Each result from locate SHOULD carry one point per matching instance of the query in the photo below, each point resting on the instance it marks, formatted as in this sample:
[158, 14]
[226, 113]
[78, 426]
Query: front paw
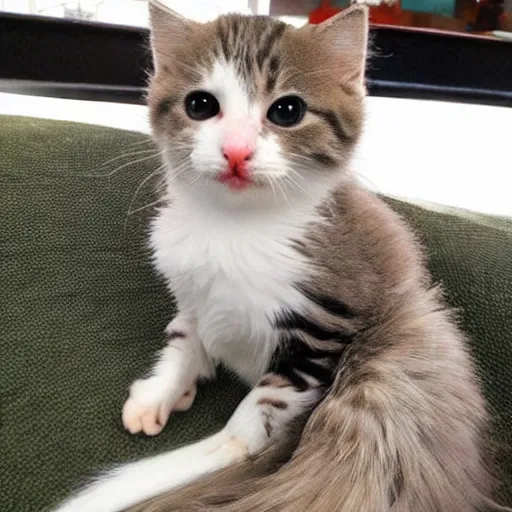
[147, 411]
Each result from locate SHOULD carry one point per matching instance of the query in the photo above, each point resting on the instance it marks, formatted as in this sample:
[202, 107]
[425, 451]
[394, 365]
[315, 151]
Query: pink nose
[237, 156]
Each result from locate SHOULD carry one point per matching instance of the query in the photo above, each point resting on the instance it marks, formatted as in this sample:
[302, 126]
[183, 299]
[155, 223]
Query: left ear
[347, 34]
[167, 29]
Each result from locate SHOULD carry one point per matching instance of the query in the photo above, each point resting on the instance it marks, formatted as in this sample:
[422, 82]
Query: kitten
[364, 398]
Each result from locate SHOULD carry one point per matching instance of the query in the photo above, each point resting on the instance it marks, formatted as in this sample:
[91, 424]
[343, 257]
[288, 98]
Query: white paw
[147, 411]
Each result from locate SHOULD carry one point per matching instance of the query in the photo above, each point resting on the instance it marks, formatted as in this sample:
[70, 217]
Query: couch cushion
[83, 312]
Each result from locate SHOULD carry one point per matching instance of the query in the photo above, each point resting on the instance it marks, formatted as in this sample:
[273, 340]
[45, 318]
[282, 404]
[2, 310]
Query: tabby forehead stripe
[273, 64]
[247, 59]
[273, 73]
[330, 117]
[271, 83]
[235, 27]
[223, 38]
[268, 44]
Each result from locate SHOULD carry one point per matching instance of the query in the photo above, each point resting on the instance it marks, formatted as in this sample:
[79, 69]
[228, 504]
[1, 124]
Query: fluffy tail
[400, 431]
[355, 473]
[132, 483]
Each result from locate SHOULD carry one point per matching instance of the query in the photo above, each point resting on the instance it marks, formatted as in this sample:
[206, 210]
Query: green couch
[82, 311]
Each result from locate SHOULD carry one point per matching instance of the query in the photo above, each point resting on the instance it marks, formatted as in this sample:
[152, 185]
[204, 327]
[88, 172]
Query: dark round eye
[201, 105]
[287, 111]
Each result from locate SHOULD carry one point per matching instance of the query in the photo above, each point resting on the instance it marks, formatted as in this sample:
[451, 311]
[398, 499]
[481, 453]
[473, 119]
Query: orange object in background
[386, 14]
[322, 12]
[381, 14]
[481, 15]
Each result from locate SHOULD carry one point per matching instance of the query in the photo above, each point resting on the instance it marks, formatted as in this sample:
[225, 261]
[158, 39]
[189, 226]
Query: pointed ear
[347, 34]
[167, 28]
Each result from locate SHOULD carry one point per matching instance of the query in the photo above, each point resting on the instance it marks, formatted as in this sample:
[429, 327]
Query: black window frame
[97, 61]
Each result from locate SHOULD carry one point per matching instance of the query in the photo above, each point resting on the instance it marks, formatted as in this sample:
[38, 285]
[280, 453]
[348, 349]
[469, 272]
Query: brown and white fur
[364, 397]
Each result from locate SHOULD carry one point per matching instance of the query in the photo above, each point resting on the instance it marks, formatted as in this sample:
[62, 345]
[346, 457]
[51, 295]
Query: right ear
[167, 29]
[346, 33]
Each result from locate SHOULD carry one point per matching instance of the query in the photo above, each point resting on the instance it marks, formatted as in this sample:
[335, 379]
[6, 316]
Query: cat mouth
[235, 179]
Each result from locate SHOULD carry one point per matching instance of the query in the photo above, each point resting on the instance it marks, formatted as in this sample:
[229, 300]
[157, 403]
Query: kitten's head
[248, 105]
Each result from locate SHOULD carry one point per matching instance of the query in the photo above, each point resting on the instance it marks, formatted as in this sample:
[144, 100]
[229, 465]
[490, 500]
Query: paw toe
[186, 401]
[150, 424]
[132, 416]
[147, 411]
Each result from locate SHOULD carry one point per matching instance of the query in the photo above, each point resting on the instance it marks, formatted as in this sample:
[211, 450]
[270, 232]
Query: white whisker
[133, 162]
[291, 180]
[285, 196]
[270, 181]
[146, 206]
[179, 169]
[295, 173]
[141, 142]
[141, 184]
[198, 177]
[133, 153]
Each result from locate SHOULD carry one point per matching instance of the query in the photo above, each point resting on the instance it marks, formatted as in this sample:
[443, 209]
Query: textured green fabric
[82, 312]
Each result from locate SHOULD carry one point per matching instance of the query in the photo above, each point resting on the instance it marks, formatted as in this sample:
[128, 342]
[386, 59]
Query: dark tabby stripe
[224, 43]
[268, 43]
[398, 485]
[323, 374]
[315, 353]
[175, 335]
[273, 72]
[293, 320]
[290, 368]
[332, 120]
[164, 107]
[245, 65]
[295, 348]
[271, 83]
[331, 305]
[247, 59]
[274, 402]
[294, 355]
[287, 370]
[323, 159]
[235, 28]
[274, 381]
[273, 64]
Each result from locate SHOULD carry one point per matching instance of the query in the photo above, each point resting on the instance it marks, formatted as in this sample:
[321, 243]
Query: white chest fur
[233, 273]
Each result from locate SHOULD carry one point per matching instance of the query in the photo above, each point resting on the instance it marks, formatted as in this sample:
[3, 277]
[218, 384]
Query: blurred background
[439, 116]
[489, 17]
